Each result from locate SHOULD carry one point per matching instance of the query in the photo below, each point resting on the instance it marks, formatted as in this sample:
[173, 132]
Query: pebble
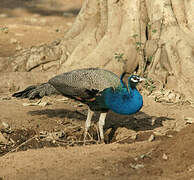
[153, 120]
[13, 41]
[3, 15]
[191, 168]
[148, 155]
[164, 156]
[151, 138]
[3, 140]
[136, 166]
[68, 14]
[170, 136]
[18, 48]
[133, 137]
[189, 120]
[172, 97]
[4, 125]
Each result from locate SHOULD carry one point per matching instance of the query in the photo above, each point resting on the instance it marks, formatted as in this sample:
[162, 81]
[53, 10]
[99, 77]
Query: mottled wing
[84, 83]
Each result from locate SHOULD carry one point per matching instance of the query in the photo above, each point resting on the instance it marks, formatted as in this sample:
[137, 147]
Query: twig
[71, 142]
[15, 149]
[121, 140]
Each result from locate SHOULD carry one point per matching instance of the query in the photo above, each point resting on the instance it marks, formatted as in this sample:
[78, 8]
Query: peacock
[100, 89]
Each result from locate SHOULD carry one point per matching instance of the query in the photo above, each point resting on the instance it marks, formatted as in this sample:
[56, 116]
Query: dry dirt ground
[44, 139]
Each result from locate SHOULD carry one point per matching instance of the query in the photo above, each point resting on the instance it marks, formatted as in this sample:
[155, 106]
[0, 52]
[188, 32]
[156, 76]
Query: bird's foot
[86, 133]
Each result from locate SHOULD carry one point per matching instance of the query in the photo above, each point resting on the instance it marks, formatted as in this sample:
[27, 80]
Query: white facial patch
[135, 80]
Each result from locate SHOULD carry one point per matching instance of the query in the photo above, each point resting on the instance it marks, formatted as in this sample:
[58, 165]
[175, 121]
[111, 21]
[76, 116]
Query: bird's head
[133, 80]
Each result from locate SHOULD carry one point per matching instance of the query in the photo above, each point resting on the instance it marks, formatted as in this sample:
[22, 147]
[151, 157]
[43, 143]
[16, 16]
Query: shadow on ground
[138, 122]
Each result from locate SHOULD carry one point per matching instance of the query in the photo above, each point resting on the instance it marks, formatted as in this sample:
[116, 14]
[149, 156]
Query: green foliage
[4, 29]
[154, 30]
[135, 35]
[119, 57]
[139, 43]
[149, 84]
[149, 59]
[149, 26]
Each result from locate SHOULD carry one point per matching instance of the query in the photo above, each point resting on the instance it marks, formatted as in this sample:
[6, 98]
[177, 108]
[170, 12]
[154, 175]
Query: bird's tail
[37, 91]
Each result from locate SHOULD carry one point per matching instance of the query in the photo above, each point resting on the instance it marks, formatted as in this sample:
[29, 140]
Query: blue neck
[123, 85]
[123, 100]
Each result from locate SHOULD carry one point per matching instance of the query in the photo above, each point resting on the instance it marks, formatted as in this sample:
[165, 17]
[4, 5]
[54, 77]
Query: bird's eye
[134, 79]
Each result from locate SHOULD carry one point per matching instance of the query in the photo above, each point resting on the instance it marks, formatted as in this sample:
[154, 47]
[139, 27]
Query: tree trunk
[155, 37]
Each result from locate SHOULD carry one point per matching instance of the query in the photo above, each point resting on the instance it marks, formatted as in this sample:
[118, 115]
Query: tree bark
[171, 35]
[155, 37]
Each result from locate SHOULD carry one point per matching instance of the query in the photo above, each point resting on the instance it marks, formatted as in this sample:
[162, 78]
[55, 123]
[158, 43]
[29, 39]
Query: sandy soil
[45, 141]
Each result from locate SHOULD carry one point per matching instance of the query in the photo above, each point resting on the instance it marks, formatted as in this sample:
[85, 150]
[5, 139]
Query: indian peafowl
[100, 89]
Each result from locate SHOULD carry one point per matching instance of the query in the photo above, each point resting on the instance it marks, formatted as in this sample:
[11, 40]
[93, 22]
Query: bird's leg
[101, 125]
[88, 122]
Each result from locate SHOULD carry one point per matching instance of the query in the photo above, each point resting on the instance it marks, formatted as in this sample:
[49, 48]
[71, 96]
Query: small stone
[164, 156]
[136, 159]
[189, 120]
[153, 120]
[4, 125]
[146, 155]
[142, 156]
[151, 138]
[172, 97]
[18, 48]
[136, 166]
[13, 41]
[3, 140]
[68, 14]
[3, 15]
[133, 137]
[170, 136]
[191, 168]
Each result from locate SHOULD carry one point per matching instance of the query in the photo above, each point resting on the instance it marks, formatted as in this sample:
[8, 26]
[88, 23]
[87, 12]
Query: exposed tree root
[172, 62]
[121, 35]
